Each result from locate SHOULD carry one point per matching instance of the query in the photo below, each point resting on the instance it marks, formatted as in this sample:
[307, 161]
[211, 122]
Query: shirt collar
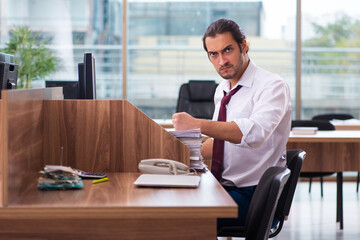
[246, 79]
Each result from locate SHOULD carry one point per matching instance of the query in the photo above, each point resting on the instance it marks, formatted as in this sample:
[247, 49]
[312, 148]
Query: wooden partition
[96, 135]
[22, 145]
[106, 136]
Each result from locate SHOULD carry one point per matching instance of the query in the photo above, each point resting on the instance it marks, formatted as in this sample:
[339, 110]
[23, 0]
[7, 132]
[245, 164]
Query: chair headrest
[202, 90]
[320, 124]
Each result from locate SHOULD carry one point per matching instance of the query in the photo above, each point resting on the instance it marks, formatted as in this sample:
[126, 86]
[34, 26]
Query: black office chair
[321, 125]
[294, 161]
[338, 116]
[332, 116]
[197, 98]
[262, 207]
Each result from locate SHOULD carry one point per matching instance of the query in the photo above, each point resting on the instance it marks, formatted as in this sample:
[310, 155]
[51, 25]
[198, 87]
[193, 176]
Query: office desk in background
[330, 151]
[349, 124]
[165, 123]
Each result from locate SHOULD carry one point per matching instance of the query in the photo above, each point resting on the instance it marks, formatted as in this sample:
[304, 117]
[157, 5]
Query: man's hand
[227, 131]
[184, 121]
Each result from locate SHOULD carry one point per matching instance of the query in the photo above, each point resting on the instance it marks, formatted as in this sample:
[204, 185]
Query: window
[330, 58]
[72, 28]
[166, 45]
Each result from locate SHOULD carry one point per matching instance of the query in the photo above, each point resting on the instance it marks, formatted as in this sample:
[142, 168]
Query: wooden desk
[330, 151]
[349, 124]
[118, 210]
[109, 136]
[346, 127]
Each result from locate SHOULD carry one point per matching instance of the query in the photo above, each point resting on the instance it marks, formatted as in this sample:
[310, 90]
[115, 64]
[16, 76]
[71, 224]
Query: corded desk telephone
[163, 166]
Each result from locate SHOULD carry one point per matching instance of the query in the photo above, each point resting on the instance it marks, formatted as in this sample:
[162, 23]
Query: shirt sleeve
[271, 103]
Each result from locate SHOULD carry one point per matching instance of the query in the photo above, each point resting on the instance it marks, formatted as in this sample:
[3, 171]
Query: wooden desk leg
[339, 199]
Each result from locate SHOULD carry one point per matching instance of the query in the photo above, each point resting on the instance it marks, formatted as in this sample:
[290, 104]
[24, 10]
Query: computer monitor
[87, 77]
[85, 87]
[8, 72]
[70, 88]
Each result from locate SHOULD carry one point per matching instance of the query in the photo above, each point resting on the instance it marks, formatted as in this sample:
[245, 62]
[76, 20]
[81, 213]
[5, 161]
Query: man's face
[224, 53]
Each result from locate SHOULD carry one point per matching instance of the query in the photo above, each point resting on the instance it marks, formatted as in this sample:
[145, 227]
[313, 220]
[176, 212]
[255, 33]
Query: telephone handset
[163, 166]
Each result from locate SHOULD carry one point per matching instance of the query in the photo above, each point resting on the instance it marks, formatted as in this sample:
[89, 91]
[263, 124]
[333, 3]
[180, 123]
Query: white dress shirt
[262, 110]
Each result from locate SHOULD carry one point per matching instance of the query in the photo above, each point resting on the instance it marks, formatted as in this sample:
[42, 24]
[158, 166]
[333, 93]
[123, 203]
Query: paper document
[304, 130]
[194, 133]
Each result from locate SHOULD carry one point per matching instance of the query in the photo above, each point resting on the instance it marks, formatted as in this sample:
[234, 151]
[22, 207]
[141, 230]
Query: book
[304, 130]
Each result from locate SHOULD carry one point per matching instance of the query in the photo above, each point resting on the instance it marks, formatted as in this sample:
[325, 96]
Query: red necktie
[218, 146]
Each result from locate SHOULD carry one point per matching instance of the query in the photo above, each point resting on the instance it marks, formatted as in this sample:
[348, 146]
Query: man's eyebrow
[228, 46]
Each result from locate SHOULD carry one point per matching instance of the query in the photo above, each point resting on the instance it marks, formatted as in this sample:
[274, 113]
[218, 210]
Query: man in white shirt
[258, 117]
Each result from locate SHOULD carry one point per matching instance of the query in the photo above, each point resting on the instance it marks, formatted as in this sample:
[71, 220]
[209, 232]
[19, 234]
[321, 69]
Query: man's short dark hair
[223, 26]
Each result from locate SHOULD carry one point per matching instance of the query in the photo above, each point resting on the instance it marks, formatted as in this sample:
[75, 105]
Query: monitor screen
[87, 77]
[8, 72]
[70, 88]
[85, 87]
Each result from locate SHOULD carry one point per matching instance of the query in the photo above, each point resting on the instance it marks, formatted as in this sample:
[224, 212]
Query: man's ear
[244, 46]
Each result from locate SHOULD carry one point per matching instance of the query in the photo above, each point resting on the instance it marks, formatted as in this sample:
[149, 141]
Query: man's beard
[230, 76]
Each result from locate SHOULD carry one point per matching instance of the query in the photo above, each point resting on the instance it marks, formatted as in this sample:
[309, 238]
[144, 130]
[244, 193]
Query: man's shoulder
[264, 76]
[263, 73]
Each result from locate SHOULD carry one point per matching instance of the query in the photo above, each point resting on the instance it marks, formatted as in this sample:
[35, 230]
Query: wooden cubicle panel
[22, 137]
[106, 136]
[77, 134]
[143, 138]
[95, 135]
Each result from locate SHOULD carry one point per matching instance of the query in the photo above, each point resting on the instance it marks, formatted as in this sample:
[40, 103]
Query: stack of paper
[193, 139]
[304, 130]
[55, 177]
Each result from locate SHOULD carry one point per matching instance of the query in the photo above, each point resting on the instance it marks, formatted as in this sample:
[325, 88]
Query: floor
[314, 218]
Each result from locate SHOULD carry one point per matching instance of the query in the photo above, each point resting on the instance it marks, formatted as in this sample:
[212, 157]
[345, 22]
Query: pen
[101, 180]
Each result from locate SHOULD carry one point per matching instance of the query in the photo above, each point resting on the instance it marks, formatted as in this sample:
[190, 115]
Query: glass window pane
[165, 45]
[330, 57]
[72, 28]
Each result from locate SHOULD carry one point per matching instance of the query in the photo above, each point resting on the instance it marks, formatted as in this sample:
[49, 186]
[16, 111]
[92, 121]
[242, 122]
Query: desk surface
[120, 198]
[118, 210]
[327, 136]
[349, 124]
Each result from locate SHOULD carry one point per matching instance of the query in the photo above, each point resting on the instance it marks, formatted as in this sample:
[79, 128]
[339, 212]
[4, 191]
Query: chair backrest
[264, 201]
[332, 116]
[294, 161]
[197, 98]
[320, 124]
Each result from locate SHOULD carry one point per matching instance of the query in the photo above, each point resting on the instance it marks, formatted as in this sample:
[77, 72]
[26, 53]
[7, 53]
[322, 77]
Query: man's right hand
[227, 131]
[184, 121]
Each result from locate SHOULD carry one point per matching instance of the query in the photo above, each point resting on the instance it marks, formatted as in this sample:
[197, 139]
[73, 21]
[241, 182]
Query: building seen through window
[164, 46]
